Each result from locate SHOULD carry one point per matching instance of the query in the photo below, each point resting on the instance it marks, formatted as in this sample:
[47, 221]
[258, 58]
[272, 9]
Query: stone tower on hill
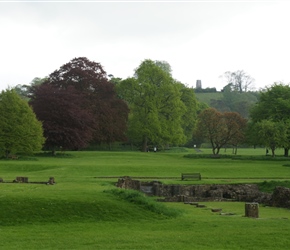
[198, 84]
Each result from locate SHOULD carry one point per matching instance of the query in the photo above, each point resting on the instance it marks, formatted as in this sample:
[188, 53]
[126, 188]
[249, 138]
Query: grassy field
[82, 212]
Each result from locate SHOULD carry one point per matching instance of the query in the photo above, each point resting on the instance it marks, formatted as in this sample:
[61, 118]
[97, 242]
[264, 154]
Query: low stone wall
[215, 192]
[245, 193]
[21, 179]
[281, 197]
[128, 183]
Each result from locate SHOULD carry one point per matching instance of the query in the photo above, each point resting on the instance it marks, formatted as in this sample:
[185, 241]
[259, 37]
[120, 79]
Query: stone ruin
[252, 210]
[21, 179]
[281, 197]
[215, 192]
[51, 181]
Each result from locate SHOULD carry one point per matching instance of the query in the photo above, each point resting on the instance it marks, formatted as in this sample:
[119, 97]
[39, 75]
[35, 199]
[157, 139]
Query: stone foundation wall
[245, 192]
[216, 192]
[128, 183]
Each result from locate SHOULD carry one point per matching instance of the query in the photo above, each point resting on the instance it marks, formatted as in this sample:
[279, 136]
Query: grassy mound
[144, 202]
[269, 186]
[18, 211]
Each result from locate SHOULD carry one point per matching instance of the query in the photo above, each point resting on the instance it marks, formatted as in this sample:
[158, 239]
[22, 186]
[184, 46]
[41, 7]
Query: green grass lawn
[79, 213]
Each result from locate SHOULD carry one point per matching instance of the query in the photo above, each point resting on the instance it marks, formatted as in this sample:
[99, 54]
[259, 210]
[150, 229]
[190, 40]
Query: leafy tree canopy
[66, 123]
[272, 134]
[97, 99]
[221, 129]
[274, 103]
[189, 118]
[272, 112]
[158, 105]
[165, 66]
[20, 131]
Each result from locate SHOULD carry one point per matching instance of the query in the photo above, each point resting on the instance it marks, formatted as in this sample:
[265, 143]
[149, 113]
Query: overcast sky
[199, 39]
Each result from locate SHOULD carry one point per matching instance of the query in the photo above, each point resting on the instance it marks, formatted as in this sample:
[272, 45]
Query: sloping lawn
[81, 212]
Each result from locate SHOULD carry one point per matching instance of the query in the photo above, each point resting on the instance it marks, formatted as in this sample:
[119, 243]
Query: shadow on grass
[237, 157]
[56, 155]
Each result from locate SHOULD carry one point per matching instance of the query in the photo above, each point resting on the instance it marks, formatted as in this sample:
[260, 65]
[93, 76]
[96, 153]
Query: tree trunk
[213, 148]
[273, 152]
[235, 150]
[7, 152]
[144, 145]
[286, 152]
[218, 150]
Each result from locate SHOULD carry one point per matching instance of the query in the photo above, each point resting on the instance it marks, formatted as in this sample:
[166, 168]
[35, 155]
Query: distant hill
[207, 97]
[230, 101]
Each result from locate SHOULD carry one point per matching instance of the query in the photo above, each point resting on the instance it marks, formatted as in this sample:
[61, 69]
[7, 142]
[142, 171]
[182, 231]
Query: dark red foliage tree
[66, 124]
[98, 96]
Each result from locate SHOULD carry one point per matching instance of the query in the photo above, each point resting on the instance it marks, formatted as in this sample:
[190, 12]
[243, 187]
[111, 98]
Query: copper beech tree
[221, 129]
[78, 105]
[66, 123]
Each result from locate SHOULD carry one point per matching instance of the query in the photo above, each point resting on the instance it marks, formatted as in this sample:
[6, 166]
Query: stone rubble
[215, 192]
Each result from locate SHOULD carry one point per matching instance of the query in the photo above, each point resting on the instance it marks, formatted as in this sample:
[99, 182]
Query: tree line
[268, 124]
[78, 105]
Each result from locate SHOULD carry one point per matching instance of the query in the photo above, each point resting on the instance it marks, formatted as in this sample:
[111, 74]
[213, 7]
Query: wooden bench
[194, 176]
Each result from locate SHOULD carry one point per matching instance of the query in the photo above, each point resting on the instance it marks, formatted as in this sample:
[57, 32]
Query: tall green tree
[272, 134]
[20, 131]
[189, 118]
[156, 106]
[274, 105]
[164, 65]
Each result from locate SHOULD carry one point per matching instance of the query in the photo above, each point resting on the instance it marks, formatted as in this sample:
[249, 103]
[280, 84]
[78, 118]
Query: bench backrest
[190, 176]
